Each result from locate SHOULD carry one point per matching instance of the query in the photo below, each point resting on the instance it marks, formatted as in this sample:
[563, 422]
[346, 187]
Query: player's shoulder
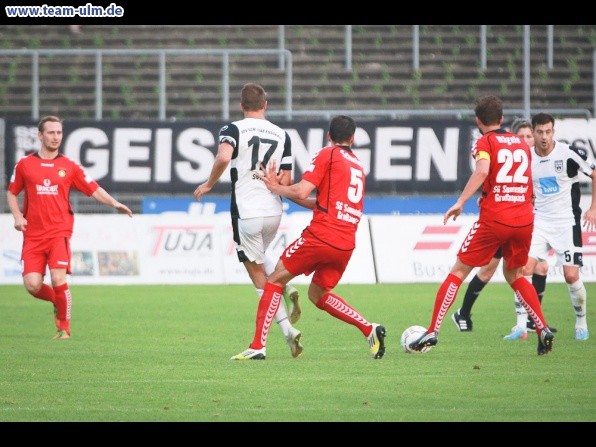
[63, 158]
[30, 156]
[271, 126]
[29, 159]
[579, 151]
[571, 149]
[228, 127]
[325, 151]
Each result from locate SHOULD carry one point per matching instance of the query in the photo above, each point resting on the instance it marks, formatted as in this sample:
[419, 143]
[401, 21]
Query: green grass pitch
[162, 353]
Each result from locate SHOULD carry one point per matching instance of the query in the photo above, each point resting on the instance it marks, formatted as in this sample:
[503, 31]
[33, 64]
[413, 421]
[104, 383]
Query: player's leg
[482, 244]
[539, 278]
[292, 302]
[578, 296]
[325, 278]
[59, 263]
[520, 330]
[515, 261]
[446, 295]
[481, 247]
[35, 260]
[539, 249]
[569, 241]
[269, 303]
[539, 283]
[253, 237]
[284, 317]
[34, 284]
[463, 316]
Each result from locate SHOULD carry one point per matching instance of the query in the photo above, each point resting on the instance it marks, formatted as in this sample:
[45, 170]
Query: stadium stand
[381, 75]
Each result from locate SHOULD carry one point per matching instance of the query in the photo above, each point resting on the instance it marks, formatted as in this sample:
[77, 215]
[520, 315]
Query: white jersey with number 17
[255, 141]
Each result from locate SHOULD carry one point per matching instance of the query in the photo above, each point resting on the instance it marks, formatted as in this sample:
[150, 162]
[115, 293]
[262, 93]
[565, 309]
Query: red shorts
[308, 254]
[485, 238]
[39, 253]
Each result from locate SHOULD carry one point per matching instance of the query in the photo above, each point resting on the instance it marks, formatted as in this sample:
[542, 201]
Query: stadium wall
[182, 248]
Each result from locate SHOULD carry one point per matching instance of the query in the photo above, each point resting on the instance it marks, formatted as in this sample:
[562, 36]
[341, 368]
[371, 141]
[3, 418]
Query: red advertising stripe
[432, 245]
[441, 230]
[589, 243]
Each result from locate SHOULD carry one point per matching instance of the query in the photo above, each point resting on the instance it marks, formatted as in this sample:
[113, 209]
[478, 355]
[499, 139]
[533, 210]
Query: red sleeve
[318, 167]
[83, 182]
[16, 184]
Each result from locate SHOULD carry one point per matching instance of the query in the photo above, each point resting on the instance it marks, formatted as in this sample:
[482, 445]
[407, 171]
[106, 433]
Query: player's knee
[32, 285]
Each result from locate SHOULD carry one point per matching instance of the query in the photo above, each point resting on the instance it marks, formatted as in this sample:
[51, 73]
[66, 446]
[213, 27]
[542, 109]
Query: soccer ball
[410, 335]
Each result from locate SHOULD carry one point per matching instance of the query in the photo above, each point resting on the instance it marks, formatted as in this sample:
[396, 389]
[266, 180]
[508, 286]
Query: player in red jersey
[506, 220]
[463, 316]
[326, 244]
[47, 218]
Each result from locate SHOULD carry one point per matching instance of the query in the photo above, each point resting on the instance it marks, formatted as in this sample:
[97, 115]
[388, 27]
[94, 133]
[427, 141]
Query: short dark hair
[489, 110]
[45, 119]
[253, 97]
[542, 118]
[341, 128]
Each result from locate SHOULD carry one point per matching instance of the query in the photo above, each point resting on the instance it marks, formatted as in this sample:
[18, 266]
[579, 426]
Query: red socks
[338, 308]
[527, 296]
[63, 303]
[444, 299]
[268, 305]
[46, 293]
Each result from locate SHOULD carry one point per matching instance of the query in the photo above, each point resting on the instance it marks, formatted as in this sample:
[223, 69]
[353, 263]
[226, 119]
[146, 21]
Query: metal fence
[286, 65]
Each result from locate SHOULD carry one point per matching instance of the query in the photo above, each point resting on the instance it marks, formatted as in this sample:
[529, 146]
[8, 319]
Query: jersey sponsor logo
[435, 232]
[47, 188]
[548, 185]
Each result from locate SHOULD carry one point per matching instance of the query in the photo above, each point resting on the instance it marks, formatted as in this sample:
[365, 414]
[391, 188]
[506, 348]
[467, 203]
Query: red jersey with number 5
[340, 180]
[507, 190]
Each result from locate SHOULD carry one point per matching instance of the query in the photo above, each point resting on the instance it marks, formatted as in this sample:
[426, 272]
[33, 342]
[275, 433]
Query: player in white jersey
[256, 212]
[555, 174]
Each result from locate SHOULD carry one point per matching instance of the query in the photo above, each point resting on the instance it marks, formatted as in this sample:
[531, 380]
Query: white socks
[578, 295]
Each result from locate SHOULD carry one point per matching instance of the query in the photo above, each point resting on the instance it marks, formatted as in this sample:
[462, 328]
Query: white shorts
[253, 236]
[565, 241]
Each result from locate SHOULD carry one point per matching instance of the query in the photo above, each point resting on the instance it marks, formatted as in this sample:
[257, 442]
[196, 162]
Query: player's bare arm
[590, 215]
[474, 182]
[20, 223]
[297, 192]
[102, 196]
[220, 164]
[285, 178]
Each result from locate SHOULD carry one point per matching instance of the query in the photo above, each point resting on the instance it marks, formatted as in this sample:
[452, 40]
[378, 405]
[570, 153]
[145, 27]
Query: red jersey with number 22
[340, 180]
[507, 190]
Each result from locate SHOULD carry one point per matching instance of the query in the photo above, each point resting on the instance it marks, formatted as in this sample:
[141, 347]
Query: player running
[506, 220]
